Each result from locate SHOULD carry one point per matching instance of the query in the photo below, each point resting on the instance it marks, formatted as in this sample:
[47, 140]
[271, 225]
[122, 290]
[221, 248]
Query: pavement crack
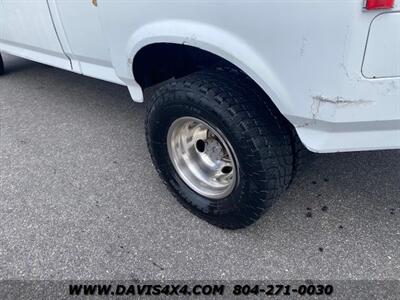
[158, 266]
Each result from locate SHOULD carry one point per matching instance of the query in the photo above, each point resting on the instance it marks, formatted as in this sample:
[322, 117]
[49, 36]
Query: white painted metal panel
[86, 42]
[29, 32]
[2, 17]
[306, 55]
[382, 55]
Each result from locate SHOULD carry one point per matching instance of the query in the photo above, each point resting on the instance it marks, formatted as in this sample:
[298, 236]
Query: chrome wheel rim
[203, 157]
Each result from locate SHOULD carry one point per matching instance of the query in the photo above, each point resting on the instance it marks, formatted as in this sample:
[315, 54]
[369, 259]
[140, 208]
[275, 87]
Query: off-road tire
[301, 155]
[263, 146]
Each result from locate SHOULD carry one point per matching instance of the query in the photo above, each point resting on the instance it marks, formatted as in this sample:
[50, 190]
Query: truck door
[28, 31]
[86, 43]
[1, 20]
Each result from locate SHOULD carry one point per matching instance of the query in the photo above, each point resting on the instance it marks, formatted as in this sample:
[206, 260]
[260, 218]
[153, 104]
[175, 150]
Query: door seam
[58, 37]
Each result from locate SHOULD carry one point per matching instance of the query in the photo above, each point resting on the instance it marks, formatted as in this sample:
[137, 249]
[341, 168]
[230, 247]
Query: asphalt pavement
[80, 199]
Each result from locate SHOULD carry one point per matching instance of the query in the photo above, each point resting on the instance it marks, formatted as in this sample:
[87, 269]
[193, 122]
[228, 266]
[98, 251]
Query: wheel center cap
[214, 149]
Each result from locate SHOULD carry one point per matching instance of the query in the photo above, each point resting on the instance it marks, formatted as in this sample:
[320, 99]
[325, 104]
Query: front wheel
[218, 149]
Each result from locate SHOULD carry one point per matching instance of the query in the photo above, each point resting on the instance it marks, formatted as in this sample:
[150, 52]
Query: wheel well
[1, 65]
[159, 62]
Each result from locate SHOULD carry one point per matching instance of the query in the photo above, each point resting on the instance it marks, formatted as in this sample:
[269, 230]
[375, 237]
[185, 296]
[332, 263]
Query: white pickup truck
[241, 85]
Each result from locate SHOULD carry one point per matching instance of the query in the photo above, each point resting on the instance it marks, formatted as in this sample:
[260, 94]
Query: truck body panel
[321, 63]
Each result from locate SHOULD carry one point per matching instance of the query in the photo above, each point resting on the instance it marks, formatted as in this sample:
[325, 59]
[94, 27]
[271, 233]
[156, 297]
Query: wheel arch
[216, 41]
